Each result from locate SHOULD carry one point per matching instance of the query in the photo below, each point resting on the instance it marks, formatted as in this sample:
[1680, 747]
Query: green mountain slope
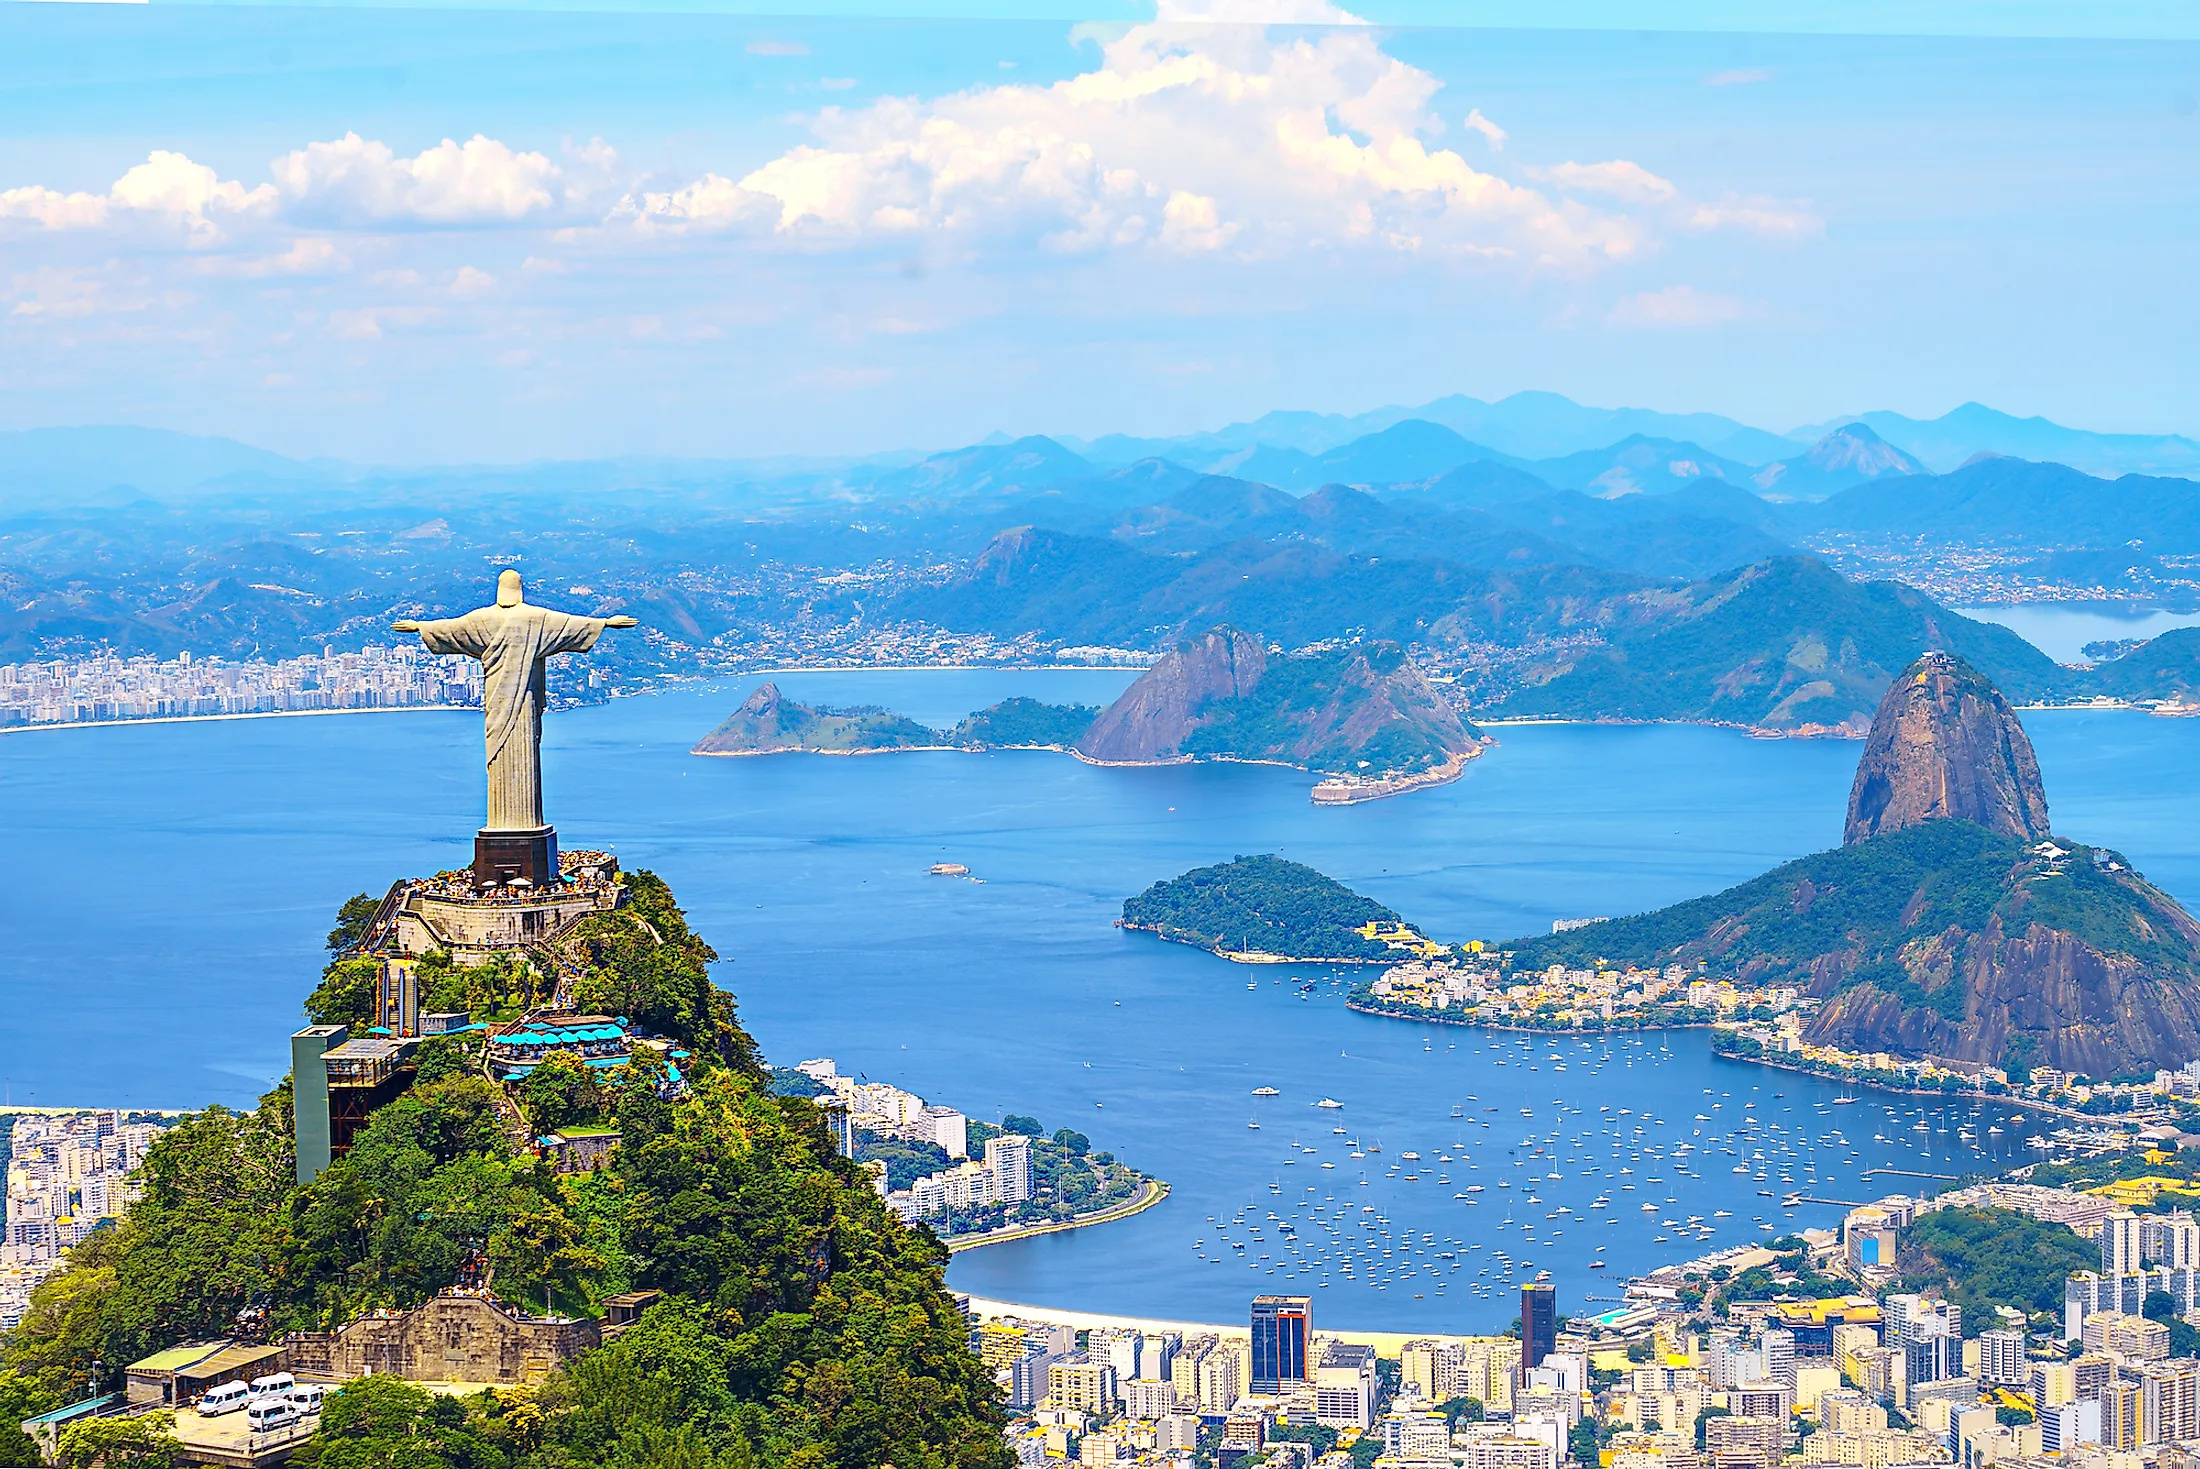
[1944, 939]
[1782, 644]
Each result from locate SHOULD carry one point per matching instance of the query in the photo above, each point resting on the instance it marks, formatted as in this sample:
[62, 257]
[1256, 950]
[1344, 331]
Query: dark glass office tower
[1538, 1324]
[1282, 1328]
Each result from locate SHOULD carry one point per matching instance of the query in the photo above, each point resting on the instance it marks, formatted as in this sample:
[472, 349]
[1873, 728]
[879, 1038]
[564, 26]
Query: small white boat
[1329, 1102]
[1266, 1091]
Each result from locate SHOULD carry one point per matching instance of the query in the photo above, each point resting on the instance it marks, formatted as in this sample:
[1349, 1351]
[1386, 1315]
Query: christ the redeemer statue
[514, 640]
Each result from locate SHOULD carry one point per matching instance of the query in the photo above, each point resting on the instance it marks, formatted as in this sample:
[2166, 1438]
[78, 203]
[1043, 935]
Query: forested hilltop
[801, 1327]
[1262, 906]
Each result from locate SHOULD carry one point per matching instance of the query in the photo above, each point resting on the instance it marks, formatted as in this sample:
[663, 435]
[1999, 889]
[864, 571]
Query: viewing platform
[474, 925]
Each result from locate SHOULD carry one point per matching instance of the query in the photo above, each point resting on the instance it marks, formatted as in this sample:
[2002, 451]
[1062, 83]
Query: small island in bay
[770, 723]
[1359, 715]
[1266, 910]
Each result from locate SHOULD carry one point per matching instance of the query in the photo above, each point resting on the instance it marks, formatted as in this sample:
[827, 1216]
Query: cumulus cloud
[1184, 138]
[167, 187]
[479, 181]
[1679, 306]
[1618, 178]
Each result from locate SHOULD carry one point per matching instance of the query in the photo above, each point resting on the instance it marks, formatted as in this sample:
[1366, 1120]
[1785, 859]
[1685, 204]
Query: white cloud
[1490, 131]
[479, 181]
[470, 282]
[1679, 306]
[166, 187]
[1190, 138]
[1758, 216]
[767, 47]
[1741, 77]
[1617, 178]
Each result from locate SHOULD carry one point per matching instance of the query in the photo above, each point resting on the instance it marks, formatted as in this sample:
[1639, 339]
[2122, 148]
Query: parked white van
[227, 1398]
[270, 1413]
[308, 1397]
[274, 1385]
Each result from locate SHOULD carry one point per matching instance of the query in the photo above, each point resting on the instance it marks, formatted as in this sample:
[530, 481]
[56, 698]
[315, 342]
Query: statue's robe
[513, 644]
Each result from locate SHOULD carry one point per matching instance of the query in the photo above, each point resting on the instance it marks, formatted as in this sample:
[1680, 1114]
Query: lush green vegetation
[1984, 1258]
[351, 922]
[2184, 1337]
[645, 963]
[906, 1160]
[1786, 642]
[1300, 709]
[803, 1327]
[1262, 905]
[1020, 722]
[1885, 909]
[769, 722]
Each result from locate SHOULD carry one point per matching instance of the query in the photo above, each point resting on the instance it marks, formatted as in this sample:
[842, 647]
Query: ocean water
[2062, 629]
[171, 884]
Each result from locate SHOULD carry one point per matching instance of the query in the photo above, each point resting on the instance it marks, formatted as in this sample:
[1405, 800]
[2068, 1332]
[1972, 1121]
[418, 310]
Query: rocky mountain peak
[1854, 447]
[1153, 715]
[1945, 745]
[763, 703]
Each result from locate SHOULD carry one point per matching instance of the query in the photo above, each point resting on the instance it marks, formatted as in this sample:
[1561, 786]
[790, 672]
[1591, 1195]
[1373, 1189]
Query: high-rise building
[2172, 1405]
[2001, 1358]
[1344, 1387]
[1221, 1378]
[2123, 1416]
[1157, 1356]
[1283, 1333]
[1009, 1156]
[1538, 1323]
[1778, 1346]
[2120, 1245]
[2171, 1239]
[2065, 1426]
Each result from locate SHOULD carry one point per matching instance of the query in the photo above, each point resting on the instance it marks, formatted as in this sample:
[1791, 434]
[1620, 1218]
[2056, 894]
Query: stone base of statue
[524, 859]
[455, 913]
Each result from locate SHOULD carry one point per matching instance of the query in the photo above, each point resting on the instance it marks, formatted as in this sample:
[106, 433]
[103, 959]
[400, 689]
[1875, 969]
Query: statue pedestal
[501, 857]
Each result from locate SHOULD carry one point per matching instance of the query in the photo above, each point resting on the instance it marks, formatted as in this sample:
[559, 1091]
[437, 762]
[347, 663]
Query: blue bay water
[172, 883]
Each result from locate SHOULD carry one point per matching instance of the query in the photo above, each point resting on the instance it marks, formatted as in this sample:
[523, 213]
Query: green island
[1266, 909]
[797, 1324]
[769, 723]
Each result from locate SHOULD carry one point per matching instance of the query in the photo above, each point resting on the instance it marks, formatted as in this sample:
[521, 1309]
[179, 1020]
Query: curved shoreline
[2017, 1103]
[1153, 1193]
[1433, 1019]
[1242, 956]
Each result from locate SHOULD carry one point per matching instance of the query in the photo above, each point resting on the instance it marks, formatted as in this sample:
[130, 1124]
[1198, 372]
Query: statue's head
[508, 589]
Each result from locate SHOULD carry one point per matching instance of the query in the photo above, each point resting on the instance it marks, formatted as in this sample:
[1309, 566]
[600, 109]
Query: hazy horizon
[463, 236]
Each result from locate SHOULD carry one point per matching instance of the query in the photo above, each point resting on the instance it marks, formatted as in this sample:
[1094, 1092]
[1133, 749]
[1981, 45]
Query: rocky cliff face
[1945, 744]
[1949, 924]
[1154, 715]
[1354, 709]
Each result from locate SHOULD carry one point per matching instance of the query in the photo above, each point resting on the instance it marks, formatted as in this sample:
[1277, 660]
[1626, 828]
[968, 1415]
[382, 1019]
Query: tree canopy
[802, 1325]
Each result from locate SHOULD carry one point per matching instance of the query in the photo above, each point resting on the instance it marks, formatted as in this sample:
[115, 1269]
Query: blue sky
[430, 234]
